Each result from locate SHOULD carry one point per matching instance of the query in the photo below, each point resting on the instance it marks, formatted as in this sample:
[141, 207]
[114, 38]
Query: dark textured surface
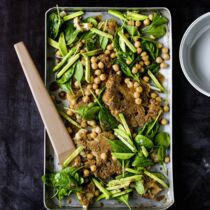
[21, 129]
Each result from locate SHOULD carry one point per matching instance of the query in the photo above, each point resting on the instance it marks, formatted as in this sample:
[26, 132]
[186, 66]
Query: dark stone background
[21, 129]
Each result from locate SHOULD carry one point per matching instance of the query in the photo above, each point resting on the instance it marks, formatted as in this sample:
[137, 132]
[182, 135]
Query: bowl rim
[190, 27]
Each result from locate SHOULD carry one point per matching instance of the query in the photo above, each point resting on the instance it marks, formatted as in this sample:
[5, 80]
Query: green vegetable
[122, 43]
[156, 178]
[73, 15]
[71, 61]
[78, 74]
[141, 161]
[66, 117]
[71, 33]
[144, 151]
[124, 123]
[53, 25]
[121, 193]
[151, 48]
[155, 80]
[91, 20]
[123, 156]
[127, 42]
[124, 199]
[117, 14]
[62, 44]
[66, 76]
[65, 58]
[103, 42]
[66, 86]
[154, 68]
[133, 171]
[72, 156]
[132, 30]
[136, 16]
[161, 152]
[106, 120]
[118, 146]
[101, 33]
[92, 53]
[53, 43]
[101, 188]
[162, 139]
[87, 69]
[144, 141]
[139, 186]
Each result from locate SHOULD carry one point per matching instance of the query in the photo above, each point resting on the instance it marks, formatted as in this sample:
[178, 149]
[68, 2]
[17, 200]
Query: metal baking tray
[50, 160]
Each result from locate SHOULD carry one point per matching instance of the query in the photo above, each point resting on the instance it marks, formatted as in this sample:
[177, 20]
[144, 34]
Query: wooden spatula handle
[60, 139]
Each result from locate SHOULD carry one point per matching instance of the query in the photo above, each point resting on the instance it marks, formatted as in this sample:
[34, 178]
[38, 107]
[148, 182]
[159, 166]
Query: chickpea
[146, 78]
[77, 84]
[150, 17]
[94, 66]
[138, 66]
[97, 91]
[164, 121]
[113, 55]
[97, 72]
[82, 51]
[134, 70]
[137, 23]
[93, 59]
[97, 129]
[138, 101]
[83, 124]
[101, 65]
[128, 62]
[147, 63]
[142, 70]
[153, 95]
[93, 135]
[163, 65]
[91, 123]
[107, 52]
[165, 56]
[130, 84]
[95, 86]
[86, 172]
[137, 44]
[166, 108]
[158, 99]
[116, 67]
[97, 80]
[130, 22]
[70, 113]
[69, 129]
[103, 77]
[136, 95]
[146, 22]
[85, 99]
[159, 60]
[87, 92]
[139, 50]
[167, 159]
[89, 87]
[119, 73]
[143, 54]
[109, 47]
[159, 45]
[139, 89]
[89, 156]
[127, 80]
[136, 84]
[103, 156]
[93, 168]
[141, 63]
[165, 50]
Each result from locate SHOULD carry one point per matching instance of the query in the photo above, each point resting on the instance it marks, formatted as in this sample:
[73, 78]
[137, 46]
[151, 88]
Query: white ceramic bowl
[194, 54]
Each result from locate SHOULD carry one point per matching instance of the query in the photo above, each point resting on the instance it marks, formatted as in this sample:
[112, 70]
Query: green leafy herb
[118, 146]
[71, 33]
[73, 15]
[53, 43]
[162, 139]
[136, 16]
[117, 14]
[144, 141]
[101, 188]
[78, 74]
[62, 44]
[103, 42]
[141, 161]
[139, 186]
[66, 76]
[122, 156]
[155, 80]
[53, 25]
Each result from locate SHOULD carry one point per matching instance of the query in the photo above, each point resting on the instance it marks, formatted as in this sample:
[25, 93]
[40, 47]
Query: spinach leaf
[78, 74]
[151, 48]
[106, 120]
[158, 19]
[144, 141]
[71, 33]
[124, 199]
[89, 112]
[161, 152]
[132, 30]
[66, 86]
[66, 76]
[118, 146]
[92, 41]
[53, 25]
[141, 161]
[162, 139]
[154, 67]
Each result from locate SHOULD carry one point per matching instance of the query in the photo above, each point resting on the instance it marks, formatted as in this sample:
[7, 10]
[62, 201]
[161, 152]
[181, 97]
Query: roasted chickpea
[136, 84]
[93, 59]
[95, 86]
[107, 52]
[97, 91]
[163, 65]
[159, 60]
[143, 54]
[166, 108]
[130, 84]
[164, 121]
[136, 95]
[89, 156]
[97, 129]
[153, 95]
[167, 159]
[138, 101]
[147, 63]
[109, 47]
[165, 56]
[93, 168]
[146, 22]
[85, 99]
[103, 77]
[128, 62]
[139, 89]
[137, 44]
[146, 78]
[127, 80]
[97, 72]
[97, 80]
[113, 55]
[100, 65]
[86, 172]
[150, 17]
[103, 156]
[116, 67]
[137, 23]
[165, 50]
[77, 84]
[134, 70]
[70, 113]
[159, 45]
[94, 66]
[158, 99]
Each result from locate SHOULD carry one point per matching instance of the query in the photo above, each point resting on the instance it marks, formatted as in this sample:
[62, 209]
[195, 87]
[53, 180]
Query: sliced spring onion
[87, 69]
[73, 15]
[52, 43]
[122, 156]
[92, 53]
[127, 42]
[72, 156]
[117, 14]
[66, 117]
[101, 188]
[155, 80]
[125, 125]
[101, 33]
[136, 16]
[71, 61]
